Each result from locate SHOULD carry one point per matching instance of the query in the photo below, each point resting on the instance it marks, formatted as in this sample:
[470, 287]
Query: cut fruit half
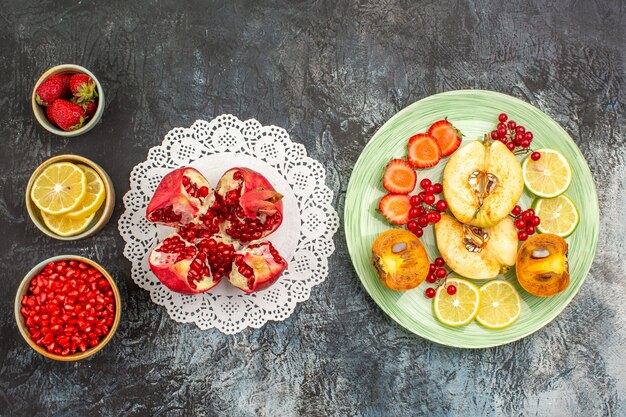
[549, 176]
[59, 189]
[558, 215]
[395, 208]
[424, 151]
[458, 309]
[500, 305]
[94, 197]
[399, 177]
[448, 137]
[64, 226]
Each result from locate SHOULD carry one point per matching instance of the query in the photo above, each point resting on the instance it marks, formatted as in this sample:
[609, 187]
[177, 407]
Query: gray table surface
[331, 73]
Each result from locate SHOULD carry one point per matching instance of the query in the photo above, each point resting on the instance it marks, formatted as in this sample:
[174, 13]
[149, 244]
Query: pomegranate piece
[249, 205]
[256, 267]
[190, 263]
[180, 197]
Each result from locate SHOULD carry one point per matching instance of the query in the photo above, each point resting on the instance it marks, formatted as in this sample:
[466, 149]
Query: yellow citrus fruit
[500, 305]
[458, 309]
[94, 198]
[558, 215]
[549, 176]
[64, 226]
[59, 189]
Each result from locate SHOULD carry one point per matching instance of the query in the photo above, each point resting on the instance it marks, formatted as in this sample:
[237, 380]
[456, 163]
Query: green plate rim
[351, 196]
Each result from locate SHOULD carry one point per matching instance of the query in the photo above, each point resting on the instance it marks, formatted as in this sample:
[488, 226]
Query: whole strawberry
[83, 88]
[53, 88]
[68, 116]
[90, 108]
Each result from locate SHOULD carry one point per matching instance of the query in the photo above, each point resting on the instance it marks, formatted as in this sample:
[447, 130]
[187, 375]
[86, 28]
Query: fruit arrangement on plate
[219, 232]
[478, 222]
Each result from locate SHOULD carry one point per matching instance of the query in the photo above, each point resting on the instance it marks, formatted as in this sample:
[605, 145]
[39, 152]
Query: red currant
[441, 205]
[512, 125]
[535, 221]
[530, 229]
[421, 210]
[421, 195]
[511, 146]
[415, 200]
[502, 117]
[500, 126]
[520, 129]
[502, 131]
[528, 136]
[431, 278]
[494, 134]
[423, 221]
[518, 138]
[527, 215]
[525, 143]
[451, 289]
[430, 292]
[425, 183]
[531, 211]
[535, 156]
[430, 189]
[439, 262]
[520, 224]
[413, 213]
[419, 232]
[429, 199]
[522, 235]
[438, 188]
[412, 225]
[432, 268]
[434, 216]
[516, 211]
[441, 273]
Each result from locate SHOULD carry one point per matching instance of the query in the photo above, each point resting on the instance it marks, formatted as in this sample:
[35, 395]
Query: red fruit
[424, 151]
[535, 156]
[52, 88]
[415, 200]
[510, 146]
[438, 188]
[65, 114]
[395, 208]
[441, 205]
[251, 207]
[451, 289]
[448, 136]
[256, 267]
[503, 117]
[517, 210]
[188, 268]
[425, 183]
[180, 197]
[90, 108]
[399, 177]
[430, 292]
[429, 199]
[431, 278]
[83, 88]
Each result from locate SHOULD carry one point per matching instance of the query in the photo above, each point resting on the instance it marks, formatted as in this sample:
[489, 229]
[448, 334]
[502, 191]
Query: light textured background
[331, 73]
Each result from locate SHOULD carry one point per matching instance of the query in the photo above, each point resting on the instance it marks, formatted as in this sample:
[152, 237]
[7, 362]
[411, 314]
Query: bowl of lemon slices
[69, 197]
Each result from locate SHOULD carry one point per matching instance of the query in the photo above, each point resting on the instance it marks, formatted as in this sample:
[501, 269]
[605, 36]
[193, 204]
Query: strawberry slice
[448, 136]
[399, 177]
[424, 151]
[395, 207]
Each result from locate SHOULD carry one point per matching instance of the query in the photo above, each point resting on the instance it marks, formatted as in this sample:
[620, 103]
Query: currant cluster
[525, 221]
[514, 136]
[425, 208]
[438, 272]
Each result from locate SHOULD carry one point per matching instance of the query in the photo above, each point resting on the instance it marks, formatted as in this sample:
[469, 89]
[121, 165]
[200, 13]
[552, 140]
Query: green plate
[474, 112]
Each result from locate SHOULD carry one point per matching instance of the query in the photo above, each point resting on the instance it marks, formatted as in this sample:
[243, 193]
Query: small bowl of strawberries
[68, 100]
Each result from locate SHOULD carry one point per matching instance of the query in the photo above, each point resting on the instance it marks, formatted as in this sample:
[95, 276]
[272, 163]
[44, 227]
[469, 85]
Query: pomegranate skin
[265, 263]
[171, 197]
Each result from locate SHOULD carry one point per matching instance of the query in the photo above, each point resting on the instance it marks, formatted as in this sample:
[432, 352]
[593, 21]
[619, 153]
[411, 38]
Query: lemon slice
[95, 195]
[558, 215]
[64, 226]
[458, 309]
[549, 176]
[500, 305]
[59, 189]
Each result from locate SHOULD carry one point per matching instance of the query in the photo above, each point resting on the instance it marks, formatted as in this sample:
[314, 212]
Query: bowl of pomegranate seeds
[68, 100]
[67, 308]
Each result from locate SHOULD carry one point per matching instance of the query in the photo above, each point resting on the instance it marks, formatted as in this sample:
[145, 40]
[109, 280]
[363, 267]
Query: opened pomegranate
[256, 267]
[249, 205]
[180, 197]
[191, 267]
[213, 229]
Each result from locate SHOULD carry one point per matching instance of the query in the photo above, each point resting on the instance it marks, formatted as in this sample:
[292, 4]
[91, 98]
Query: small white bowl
[40, 111]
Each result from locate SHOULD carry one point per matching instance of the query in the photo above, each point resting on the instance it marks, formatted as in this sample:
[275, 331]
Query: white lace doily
[304, 238]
